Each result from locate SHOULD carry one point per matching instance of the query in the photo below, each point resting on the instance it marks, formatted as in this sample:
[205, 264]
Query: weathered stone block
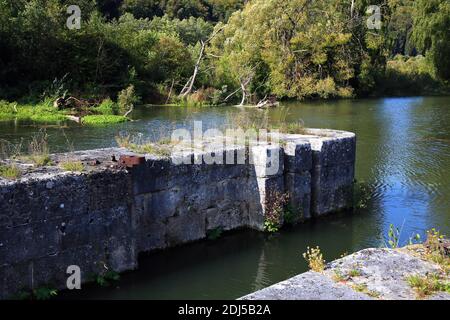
[149, 230]
[298, 187]
[332, 177]
[163, 204]
[187, 227]
[152, 236]
[298, 156]
[263, 188]
[270, 184]
[268, 160]
[227, 216]
[121, 253]
[327, 201]
[16, 244]
[307, 286]
[332, 188]
[14, 278]
[330, 152]
[153, 176]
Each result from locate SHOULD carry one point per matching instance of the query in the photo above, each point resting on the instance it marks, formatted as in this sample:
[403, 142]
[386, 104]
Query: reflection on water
[403, 156]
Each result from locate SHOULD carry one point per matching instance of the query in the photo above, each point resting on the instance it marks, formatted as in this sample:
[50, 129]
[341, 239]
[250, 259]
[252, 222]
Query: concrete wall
[106, 215]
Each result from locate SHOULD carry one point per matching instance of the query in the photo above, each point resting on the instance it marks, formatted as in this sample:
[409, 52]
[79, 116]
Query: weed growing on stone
[290, 216]
[291, 128]
[435, 250]
[315, 259]
[41, 293]
[123, 140]
[338, 276]
[41, 160]
[215, 233]
[44, 293]
[106, 278]
[362, 287]
[72, 166]
[354, 273]
[39, 149]
[434, 239]
[10, 172]
[275, 204]
[427, 285]
[136, 144]
[151, 148]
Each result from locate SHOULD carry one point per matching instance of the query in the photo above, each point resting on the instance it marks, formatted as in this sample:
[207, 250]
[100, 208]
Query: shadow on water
[234, 265]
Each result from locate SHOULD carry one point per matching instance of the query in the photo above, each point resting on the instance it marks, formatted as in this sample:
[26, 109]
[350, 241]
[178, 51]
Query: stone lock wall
[106, 216]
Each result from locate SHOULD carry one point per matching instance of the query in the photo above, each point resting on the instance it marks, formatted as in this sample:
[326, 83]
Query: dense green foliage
[432, 33]
[288, 49]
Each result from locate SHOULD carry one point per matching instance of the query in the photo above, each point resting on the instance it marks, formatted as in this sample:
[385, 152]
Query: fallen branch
[74, 118]
[268, 103]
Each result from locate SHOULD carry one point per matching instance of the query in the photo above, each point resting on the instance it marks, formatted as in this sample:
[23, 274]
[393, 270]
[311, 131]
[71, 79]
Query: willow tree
[432, 33]
[294, 49]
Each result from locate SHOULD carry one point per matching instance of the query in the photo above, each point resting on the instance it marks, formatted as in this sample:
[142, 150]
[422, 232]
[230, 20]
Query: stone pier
[108, 214]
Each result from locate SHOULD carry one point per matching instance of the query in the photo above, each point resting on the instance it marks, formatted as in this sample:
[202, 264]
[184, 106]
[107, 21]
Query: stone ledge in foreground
[382, 275]
[307, 286]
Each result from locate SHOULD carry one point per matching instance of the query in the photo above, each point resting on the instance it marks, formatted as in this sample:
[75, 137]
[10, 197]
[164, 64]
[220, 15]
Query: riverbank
[382, 274]
[44, 112]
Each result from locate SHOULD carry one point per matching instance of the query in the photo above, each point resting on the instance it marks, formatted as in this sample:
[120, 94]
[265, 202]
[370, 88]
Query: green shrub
[126, 99]
[108, 107]
[411, 75]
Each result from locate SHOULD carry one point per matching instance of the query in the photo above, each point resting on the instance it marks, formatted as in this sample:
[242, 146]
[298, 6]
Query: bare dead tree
[352, 9]
[170, 92]
[244, 81]
[129, 110]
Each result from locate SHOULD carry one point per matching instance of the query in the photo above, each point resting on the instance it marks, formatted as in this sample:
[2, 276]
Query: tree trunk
[129, 111]
[190, 84]
[187, 89]
[170, 92]
[244, 94]
[352, 9]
